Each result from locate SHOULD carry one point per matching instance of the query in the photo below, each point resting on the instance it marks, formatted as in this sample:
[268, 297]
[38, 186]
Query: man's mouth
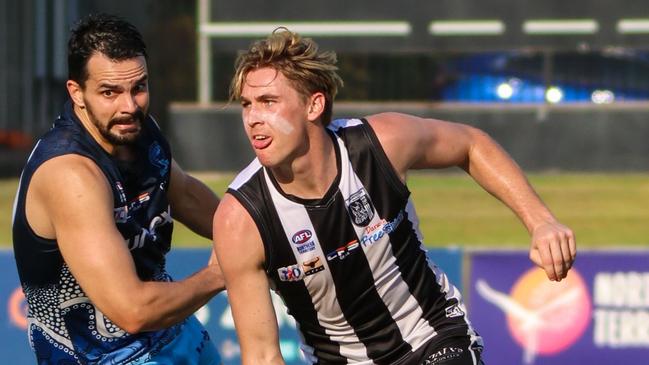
[127, 125]
[260, 141]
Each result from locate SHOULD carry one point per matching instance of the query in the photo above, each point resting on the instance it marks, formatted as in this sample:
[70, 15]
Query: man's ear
[316, 105]
[76, 93]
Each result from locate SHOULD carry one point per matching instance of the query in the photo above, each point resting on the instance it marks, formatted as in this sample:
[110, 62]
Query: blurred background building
[560, 84]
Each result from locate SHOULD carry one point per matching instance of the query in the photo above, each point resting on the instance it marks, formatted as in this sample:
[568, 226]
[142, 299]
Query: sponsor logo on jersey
[384, 229]
[378, 225]
[150, 233]
[138, 202]
[344, 251]
[144, 197]
[454, 311]
[307, 247]
[290, 273]
[302, 239]
[120, 192]
[121, 214]
[158, 159]
[312, 266]
[360, 208]
[302, 236]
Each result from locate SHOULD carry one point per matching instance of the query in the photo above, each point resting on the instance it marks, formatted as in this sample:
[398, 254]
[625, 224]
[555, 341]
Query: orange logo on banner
[560, 311]
[17, 308]
[544, 317]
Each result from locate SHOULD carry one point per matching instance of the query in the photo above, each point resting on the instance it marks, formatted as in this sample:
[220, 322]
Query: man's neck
[310, 176]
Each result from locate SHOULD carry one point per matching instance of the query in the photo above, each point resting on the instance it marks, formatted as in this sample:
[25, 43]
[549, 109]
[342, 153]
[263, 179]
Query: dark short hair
[107, 34]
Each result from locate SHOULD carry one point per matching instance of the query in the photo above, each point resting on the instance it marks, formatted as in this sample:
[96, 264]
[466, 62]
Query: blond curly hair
[298, 59]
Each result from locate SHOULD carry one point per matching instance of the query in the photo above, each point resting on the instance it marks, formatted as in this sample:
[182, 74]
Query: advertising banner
[598, 315]
[14, 345]
[215, 316]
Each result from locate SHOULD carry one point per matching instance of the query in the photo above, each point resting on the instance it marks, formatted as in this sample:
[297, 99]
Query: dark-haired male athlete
[93, 219]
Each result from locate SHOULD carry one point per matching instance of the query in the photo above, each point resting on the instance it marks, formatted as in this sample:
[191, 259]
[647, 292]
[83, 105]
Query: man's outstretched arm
[417, 143]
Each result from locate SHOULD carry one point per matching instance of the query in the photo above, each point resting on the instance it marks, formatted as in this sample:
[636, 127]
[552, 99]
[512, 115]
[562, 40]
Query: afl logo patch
[360, 208]
[302, 236]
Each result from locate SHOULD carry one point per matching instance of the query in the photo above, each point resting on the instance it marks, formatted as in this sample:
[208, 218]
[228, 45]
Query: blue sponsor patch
[307, 247]
[385, 229]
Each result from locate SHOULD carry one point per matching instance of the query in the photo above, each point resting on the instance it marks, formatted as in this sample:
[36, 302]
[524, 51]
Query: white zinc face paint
[273, 119]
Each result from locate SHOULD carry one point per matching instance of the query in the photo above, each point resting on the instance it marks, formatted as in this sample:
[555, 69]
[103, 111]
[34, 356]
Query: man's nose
[252, 117]
[128, 104]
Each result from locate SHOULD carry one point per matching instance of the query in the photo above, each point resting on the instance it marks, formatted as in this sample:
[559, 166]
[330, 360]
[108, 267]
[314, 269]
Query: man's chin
[124, 139]
[266, 161]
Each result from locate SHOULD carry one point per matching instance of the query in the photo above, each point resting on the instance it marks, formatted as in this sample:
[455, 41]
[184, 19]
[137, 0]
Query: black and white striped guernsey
[351, 267]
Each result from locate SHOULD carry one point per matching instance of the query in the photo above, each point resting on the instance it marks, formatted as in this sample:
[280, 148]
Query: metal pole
[34, 61]
[204, 54]
[59, 40]
[4, 65]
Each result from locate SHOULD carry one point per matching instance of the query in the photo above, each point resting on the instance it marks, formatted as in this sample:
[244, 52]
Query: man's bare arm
[71, 195]
[417, 143]
[192, 202]
[240, 251]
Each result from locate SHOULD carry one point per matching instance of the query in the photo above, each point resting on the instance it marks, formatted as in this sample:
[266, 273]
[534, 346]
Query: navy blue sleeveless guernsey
[351, 267]
[64, 327]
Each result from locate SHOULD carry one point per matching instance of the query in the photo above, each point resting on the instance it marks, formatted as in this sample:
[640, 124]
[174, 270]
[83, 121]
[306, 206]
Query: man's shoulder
[61, 138]
[342, 123]
[68, 178]
[246, 175]
[70, 166]
[236, 217]
[60, 152]
[388, 122]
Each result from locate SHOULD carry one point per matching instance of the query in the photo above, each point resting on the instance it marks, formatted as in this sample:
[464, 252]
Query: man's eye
[107, 93]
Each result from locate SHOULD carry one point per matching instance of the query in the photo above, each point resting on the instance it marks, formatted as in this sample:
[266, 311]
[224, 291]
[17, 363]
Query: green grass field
[602, 209]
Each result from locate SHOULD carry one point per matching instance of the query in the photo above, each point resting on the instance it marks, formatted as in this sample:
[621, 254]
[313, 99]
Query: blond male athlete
[323, 216]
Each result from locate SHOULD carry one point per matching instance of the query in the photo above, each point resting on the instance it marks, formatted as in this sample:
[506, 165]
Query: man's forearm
[498, 174]
[163, 304]
[198, 207]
